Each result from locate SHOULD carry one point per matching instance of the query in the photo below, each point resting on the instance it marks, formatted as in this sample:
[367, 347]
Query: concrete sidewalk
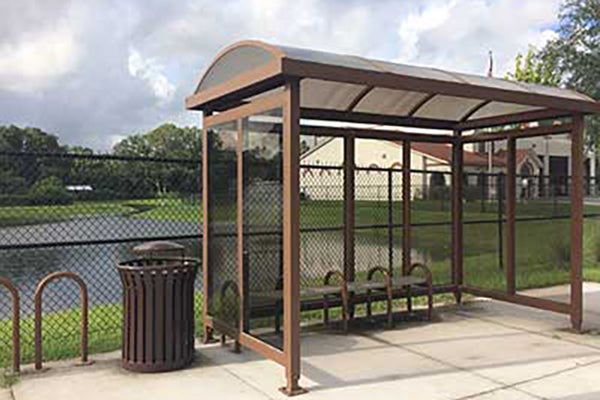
[483, 350]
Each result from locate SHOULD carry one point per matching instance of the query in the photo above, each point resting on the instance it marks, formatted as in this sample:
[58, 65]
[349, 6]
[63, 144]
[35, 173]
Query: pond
[95, 263]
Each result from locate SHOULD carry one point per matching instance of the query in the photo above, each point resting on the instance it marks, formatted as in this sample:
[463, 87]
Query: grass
[542, 254]
[28, 215]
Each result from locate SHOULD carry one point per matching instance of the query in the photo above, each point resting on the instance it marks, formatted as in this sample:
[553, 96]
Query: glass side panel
[431, 216]
[223, 293]
[263, 226]
[543, 218]
[484, 214]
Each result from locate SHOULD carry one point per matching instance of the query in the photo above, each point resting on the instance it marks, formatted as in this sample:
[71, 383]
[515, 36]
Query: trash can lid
[159, 245]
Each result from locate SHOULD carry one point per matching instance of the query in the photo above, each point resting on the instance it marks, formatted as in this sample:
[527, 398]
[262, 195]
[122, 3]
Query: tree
[30, 167]
[576, 53]
[534, 69]
[166, 142]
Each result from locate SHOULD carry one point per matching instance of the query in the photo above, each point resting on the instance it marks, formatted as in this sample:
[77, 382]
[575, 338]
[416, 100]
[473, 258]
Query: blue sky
[95, 71]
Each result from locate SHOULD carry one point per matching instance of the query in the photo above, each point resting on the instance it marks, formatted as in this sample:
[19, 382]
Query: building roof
[349, 84]
[443, 152]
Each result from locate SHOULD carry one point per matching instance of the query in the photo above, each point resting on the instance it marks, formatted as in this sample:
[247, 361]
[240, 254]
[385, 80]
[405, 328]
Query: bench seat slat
[408, 280]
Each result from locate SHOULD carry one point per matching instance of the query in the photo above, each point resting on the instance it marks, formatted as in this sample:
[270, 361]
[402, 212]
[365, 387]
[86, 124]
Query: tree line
[570, 60]
[35, 167]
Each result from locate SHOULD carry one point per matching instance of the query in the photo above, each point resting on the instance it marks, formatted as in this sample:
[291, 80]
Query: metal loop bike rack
[83, 293]
[16, 335]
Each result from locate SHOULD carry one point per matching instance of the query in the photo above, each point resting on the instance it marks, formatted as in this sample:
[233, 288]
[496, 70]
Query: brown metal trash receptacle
[158, 313]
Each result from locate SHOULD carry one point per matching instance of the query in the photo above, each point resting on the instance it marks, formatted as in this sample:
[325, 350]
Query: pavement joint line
[553, 374]
[504, 386]
[431, 358]
[515, 385]
[544, 334]
[250, 385]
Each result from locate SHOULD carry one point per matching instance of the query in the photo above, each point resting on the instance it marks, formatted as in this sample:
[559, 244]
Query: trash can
[158, 309]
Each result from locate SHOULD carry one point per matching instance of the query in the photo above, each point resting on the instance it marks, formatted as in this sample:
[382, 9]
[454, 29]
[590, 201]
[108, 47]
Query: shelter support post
[577, 222]
[457, 216]
[349, 267]
[291, 238]
[511, 181]
[405, 207]
[208, 330]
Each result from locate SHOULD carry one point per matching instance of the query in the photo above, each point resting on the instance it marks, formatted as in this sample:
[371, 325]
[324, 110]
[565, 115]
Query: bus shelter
[259, 100]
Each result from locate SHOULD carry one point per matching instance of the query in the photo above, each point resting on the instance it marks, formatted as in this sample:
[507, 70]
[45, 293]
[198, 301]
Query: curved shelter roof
[335, 84]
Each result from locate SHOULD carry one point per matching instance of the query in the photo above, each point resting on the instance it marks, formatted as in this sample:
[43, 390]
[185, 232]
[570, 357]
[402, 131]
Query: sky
[94, 71]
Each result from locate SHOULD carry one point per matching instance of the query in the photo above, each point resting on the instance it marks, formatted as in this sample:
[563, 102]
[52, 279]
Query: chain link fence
[84, 213]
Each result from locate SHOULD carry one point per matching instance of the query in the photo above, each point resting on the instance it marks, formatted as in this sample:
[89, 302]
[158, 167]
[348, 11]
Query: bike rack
[83, 293]
[16, 333]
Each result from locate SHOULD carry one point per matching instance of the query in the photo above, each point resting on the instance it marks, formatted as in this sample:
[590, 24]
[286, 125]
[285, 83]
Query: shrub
[439, 193]
[13, 200]
[471, 193]
[560, 248]
[49, 191]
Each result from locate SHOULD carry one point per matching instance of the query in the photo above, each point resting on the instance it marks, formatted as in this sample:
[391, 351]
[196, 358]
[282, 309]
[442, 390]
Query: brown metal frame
[16, 321]
[406, 242]
[577, 222]
[349, 178]
[289, 356]
[231, 97]
[83, 294]
[457, 214]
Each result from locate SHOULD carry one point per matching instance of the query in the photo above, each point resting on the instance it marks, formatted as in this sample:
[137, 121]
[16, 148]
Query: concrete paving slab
[580, 383]
[509, 357]
[5, 394]
[505, 394]
[450, 327]
[356, 366]
[539, 321]
[483, 350]
[106, 380]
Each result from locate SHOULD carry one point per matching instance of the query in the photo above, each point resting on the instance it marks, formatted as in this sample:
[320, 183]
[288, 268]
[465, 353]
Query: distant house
[430, 161]
[79, 188]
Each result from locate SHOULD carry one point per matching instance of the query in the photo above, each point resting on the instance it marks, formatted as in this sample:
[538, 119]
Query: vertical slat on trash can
[160, 316]
[149, 316]
[125, 314]
[177, 311]
[139, 308]
[185, 323]
[131, 317]
[169, 318]
[189, 303]
[190, 311]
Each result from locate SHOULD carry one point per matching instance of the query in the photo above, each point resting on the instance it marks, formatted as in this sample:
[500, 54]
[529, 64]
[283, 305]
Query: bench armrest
[333, 273]
[230, 284]
[422, 267]
[382, 271]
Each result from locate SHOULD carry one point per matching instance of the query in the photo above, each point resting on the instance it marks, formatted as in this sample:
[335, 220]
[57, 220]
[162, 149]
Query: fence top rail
[100, 157]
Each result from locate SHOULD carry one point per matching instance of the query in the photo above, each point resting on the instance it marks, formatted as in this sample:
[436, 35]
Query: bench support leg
[277, 317]
[325, 310]
[390, 311]
[345, 310]
[208, 336]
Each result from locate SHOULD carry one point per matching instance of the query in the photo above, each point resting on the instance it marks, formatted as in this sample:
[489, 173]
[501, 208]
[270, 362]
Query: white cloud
[37, 60]
[457, 35]
[150, 71]
[418, 22]
[101, 69]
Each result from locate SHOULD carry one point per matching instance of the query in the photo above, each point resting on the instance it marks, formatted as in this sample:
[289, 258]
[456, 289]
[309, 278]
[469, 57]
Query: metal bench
[394, 284]
[390, 285]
